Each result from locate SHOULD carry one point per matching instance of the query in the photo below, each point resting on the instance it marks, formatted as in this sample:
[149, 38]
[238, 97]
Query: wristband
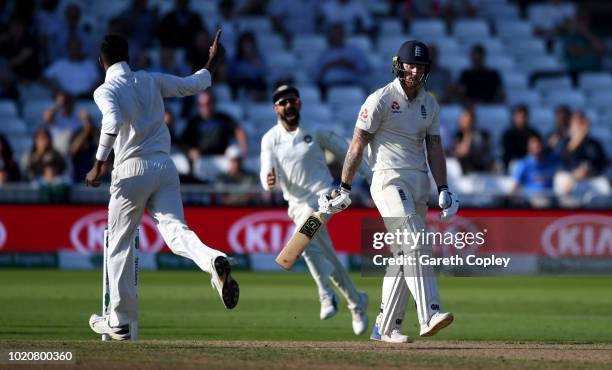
[442, 187]
[345, 186]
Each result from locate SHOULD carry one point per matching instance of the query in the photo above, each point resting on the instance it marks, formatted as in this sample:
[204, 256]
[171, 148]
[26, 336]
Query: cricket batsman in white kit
[294, 157]
[144, 177]
[393, 123]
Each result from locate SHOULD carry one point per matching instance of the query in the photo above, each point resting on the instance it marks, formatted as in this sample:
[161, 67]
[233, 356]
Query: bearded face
[413, 74]
[289, 111]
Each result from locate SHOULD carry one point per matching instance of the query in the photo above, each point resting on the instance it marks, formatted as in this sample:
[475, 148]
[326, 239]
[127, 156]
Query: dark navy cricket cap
[285, 92]
[414, 52]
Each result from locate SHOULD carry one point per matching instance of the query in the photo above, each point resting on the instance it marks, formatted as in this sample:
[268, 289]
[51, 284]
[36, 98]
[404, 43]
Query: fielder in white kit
[294, 156]
[394, 122]
[144, 177]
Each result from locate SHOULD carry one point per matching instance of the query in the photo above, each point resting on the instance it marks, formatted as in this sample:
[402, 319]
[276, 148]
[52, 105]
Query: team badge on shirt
[364, 114]
[423, 111]
[395, 107]
[307, 138]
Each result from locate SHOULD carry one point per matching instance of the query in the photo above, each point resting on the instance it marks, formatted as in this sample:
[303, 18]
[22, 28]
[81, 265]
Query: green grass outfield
[40, 305]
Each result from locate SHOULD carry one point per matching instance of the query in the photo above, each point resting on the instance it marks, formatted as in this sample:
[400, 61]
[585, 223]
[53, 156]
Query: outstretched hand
[216, 53]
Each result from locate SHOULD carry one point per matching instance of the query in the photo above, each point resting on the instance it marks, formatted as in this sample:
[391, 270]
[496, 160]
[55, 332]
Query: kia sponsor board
[260, 232]
[87, 234]
[248, 231]
[583, 235]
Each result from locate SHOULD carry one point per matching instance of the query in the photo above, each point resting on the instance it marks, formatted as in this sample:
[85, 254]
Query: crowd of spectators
[49, 42]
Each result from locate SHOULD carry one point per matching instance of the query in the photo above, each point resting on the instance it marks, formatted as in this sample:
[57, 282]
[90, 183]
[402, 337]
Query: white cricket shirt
[132, 108]
[399, 127]
[298, 158]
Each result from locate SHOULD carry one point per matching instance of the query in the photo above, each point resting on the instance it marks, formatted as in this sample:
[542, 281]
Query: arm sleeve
[111, 114]
[174, 86]
[267, 160]
[434, 127]
[371, 114]
[334, 143]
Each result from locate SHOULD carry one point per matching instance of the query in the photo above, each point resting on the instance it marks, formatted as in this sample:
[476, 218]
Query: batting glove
[337, 201]
[448, 202]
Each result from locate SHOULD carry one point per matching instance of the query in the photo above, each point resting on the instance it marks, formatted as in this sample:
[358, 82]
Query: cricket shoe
[437, 322]
[221, 279]
[360, 315]
[396, 336]
[329, 305]
[99, 324]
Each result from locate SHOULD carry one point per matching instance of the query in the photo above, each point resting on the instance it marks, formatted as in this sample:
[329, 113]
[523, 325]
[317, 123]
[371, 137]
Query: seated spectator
[352, 14]
[9, 169]
[552, 18]
[76, 74]
[228, 23]
[294, 17]
[196, 54]
[452, 9]
[239, 181]
[439, 79]
[142, 23]
[515, 138]
[247, 69]
[53, 187]
[211, 132]
[179, 26]
[560, 133]
[168, 63]
[42, 155]
[69, 27]
[63, 120]
[19, 48]
[582, 156]
[534, 174]
[340, 64]
[472, 145]
[83, 146]
[584, 51]
[480, 84]
[8, 83]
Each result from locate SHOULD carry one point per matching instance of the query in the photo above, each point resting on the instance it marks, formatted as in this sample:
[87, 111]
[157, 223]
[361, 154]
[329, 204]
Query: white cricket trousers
[401, 198]
[151, 184]
[321, 258]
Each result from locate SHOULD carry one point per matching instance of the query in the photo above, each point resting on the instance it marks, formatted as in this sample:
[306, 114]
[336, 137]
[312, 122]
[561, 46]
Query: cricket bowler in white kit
[293, 155]
[394, 122]
[144, 177]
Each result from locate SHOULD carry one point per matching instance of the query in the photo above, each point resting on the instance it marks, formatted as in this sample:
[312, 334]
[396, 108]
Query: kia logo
[2, 235]
[579, 235]
[87, 234]
[261, 232]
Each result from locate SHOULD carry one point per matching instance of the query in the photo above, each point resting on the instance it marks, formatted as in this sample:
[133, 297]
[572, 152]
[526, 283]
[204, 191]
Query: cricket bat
[291, 252]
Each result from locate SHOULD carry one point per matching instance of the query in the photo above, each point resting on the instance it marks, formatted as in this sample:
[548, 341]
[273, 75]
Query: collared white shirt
[399, 127]
[298, 158]
[132, 108]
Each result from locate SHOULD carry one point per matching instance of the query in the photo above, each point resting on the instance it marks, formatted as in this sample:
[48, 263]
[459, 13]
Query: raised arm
[174, 86]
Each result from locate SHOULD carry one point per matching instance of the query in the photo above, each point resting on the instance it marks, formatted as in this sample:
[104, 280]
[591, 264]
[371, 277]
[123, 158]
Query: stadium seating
[428, 28]
[531, 74]
[8, 109]
[470, 28]
[12, 126]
